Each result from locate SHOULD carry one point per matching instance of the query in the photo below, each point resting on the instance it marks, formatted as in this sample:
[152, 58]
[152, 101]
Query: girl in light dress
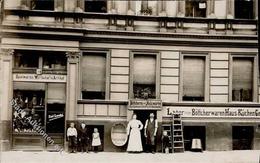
[96, 140]
[133, 130]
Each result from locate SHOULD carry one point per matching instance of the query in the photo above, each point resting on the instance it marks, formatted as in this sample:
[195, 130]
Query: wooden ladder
[177, 133]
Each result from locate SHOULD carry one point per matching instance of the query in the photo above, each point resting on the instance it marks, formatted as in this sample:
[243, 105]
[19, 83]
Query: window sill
[96, 101]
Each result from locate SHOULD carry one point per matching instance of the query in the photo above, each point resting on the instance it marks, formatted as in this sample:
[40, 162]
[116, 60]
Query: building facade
[98, 62]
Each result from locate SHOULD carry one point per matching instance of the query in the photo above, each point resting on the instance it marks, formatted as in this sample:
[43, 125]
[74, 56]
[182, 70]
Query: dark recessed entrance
[242, 137]
[143, 115]
[194, 132]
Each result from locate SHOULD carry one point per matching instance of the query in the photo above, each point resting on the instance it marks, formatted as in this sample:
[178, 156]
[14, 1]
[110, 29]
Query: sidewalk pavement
[246, 156]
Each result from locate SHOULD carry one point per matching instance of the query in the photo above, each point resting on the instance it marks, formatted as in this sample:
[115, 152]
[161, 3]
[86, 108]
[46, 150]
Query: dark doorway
[242, 137]
[194, 132]
[90, 129]
[143, 115]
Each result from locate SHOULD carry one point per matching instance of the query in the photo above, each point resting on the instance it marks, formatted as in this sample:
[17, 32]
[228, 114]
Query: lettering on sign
[40, 78]
[151, 104]
[55, 116]
[213, 112]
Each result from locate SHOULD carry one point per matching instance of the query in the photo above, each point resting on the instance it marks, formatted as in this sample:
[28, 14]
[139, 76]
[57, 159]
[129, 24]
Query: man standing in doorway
[150, 131]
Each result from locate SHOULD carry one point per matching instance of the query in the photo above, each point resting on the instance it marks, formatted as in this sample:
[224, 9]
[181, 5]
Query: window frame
[107, 84]
[207, 10]
[84, 9]
[157, 72]
[254, 57]
[206, 83]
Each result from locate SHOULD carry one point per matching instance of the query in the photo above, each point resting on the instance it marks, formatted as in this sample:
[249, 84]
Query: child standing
[72, 136]
[165, 141]
[96, 140]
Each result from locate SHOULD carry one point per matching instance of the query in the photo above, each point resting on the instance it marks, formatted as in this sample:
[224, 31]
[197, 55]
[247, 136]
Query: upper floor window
[144, 76]
[242, 79]
[146, 7]
[42, 4]
[193, 78]
[26, 59]
[196, 8]
[244, 9]
[54, 60]
[99, 6]
[94, 75]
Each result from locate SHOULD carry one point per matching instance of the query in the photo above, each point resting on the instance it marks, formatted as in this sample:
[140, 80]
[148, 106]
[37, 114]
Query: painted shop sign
[40, 78]
[214, 112]
[150, 104]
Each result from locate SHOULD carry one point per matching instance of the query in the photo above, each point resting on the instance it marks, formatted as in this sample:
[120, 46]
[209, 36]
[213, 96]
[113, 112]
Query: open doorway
[242, 137]
[143, 115]
[194, 132]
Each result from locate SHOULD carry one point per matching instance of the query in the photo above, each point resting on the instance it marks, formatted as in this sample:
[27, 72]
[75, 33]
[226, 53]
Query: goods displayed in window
[32, 104]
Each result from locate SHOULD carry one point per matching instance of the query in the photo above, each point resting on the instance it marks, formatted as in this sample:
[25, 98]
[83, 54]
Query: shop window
[94, 75]
[242, 79]
[244, 9]
[42, 4]
[196, 8]
[99, 6]
[194, 132]
[144, 73]
[242, 137]
[26, 59]
[193, 78]
[54, 61]
[32, 104]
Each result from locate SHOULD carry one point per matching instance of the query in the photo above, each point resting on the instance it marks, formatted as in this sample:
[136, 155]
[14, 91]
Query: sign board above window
[150, 104]
[213, 112]
[39, 78]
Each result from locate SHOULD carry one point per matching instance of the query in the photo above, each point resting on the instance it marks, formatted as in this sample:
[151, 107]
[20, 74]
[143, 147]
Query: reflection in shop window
[193, 78]
[32, 103]
[195, 8]
[244, 9]
[54, 61]
[99, 6]
[26, 59]
[144, 76]
[242, 79]
[42, 4]
[93, 75]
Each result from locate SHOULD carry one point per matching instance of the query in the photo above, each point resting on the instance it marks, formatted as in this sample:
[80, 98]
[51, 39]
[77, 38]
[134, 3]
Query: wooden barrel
[119, 134]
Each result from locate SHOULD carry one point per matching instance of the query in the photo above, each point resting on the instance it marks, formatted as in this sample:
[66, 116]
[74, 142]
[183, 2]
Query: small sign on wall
[141, 104]
[40, 77]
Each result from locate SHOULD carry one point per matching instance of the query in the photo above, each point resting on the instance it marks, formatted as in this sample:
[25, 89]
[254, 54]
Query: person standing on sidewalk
[96, 140]
[83, 138]
[72, 136]
[150, 131]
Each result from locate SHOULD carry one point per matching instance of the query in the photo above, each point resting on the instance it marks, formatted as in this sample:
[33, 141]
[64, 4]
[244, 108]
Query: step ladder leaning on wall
[174, 131]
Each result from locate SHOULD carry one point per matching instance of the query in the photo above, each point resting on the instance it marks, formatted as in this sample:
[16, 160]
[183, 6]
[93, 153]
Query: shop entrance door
[55, 124]
[143, 115]
[242, 137]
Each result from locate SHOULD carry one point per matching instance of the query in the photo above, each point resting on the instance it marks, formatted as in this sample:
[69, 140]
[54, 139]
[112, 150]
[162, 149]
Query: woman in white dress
[133, 130]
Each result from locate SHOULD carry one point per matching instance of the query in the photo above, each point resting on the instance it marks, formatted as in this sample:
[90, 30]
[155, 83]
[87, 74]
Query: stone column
[6, 97]
[230, 9]
[130, 7]
[111, 6]
[162, 8]
[72, 85]
[211, 8]
[79, 6]
[256, 9]
[58, 5]
[181, 9]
